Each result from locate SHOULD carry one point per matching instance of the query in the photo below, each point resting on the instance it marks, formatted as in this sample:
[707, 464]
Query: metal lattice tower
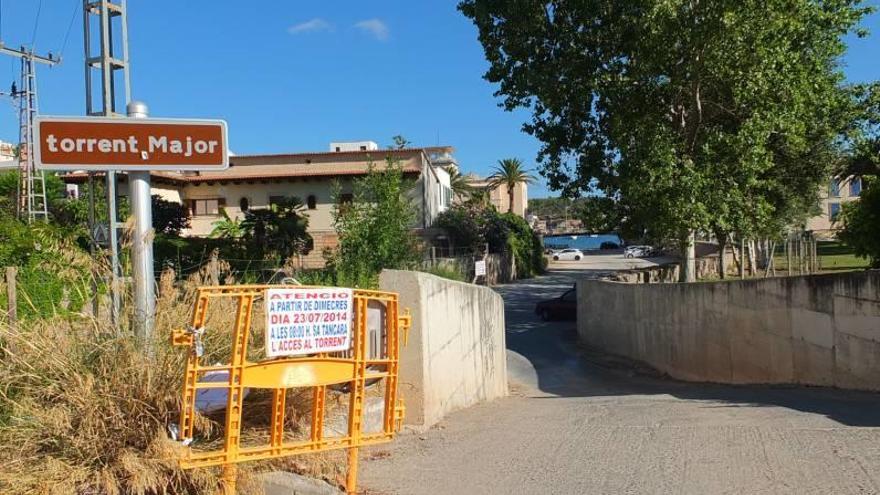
[105, 39]
[32, 204]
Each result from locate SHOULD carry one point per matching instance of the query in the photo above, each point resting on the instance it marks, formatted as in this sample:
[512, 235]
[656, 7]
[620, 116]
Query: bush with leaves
[375, 229]
[474, 226]
[169, 217]
[54, 274]
[277, 232]
[861, 220]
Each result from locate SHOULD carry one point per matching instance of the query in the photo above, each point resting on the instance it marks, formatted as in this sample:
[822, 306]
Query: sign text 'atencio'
[99, 143]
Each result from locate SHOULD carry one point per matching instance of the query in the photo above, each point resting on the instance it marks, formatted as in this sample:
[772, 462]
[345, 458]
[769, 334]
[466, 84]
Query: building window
[338, 148]
[312, 202]
[855, 187]
[275, 200]
[363, 148]
[206, 207]
[834, 188]
[833, 211]
[244, 204]
[445, 196]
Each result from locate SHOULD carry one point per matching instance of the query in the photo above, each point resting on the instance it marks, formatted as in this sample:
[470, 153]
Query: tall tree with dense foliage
[510, 173]
[699, 115]
[375, 229]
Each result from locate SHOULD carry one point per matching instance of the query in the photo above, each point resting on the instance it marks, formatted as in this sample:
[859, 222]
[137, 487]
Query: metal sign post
[142, 242]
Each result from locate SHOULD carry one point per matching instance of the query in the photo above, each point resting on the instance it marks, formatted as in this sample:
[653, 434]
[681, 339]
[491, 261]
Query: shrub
[474, 226]
[861, 220]
[375, 229]
[85, 410]
[169, 217]
[54, 273]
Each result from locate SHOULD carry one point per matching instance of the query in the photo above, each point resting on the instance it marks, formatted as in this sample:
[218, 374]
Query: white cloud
[312, 26]
[374, 27]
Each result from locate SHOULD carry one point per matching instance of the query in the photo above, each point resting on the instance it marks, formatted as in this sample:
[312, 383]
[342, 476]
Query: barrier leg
[229, 479]
[351, 478]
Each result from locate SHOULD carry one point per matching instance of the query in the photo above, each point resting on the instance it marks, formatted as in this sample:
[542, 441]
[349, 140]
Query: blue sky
[293, 76]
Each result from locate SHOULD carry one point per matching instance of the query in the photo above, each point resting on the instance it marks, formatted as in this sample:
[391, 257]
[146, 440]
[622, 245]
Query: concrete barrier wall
[456, 353]
[812, 330]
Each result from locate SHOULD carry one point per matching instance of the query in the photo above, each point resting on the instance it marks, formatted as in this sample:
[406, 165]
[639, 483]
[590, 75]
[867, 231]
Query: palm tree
[480, 196]
[227, 228]
[510, 172]
[459, 184]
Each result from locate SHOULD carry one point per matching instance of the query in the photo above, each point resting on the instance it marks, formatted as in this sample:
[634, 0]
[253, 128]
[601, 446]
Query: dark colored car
[563, 307]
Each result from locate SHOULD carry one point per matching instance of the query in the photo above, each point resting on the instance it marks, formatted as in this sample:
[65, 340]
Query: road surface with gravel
[580, 424]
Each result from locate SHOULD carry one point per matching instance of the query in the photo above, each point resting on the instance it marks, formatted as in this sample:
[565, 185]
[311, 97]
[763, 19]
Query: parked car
[609, 245]
[639, 251]
[568, 255]
[563, 307]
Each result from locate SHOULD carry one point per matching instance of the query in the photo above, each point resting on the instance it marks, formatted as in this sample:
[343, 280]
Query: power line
[36, 23]
[76, 4]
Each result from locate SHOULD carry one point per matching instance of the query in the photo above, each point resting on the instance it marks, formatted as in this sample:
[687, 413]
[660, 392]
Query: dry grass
[84, 409]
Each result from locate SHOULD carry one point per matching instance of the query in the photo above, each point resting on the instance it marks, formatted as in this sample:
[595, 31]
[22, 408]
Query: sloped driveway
[575, 424]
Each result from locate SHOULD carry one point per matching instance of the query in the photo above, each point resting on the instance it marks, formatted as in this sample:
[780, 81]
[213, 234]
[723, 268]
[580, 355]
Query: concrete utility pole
[142, 241]
[104, 65]
[31, 204]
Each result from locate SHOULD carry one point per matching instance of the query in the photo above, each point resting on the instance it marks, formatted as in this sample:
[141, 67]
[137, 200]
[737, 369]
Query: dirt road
[576, 425]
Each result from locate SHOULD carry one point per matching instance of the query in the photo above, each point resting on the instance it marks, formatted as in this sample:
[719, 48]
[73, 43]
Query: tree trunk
[750, 251]
[510, 198]
[722, 257]
[688, 261]
[770, 249]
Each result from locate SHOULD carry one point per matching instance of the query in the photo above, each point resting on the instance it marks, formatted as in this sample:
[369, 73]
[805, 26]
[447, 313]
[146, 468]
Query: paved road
[575, 426]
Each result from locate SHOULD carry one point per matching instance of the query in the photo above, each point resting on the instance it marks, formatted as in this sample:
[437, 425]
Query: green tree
[474, 226]
[510, 173]
[698, 115]
[375, 229]
[227, 227]
[861, 222]
[598, 214]
[169, 217]
[277, 232]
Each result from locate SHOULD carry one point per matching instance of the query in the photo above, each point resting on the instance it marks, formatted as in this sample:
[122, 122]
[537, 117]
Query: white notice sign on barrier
[308, 321]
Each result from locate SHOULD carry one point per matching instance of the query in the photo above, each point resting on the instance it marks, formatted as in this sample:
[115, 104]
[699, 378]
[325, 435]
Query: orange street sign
[100, 143]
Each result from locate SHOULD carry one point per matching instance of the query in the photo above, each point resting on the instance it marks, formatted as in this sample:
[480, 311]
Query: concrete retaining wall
[812, 330]
[499, 269]
[456, 353]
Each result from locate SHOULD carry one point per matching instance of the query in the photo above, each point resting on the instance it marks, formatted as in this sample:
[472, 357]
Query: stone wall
[456, 353]
[812, 330]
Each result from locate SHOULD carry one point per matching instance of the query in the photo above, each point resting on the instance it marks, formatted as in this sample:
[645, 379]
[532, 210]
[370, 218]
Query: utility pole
[107, 68]
[31, 202]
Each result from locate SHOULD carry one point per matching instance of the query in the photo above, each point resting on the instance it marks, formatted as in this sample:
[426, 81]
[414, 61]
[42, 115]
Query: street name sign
[308, 321]
[101, 143]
